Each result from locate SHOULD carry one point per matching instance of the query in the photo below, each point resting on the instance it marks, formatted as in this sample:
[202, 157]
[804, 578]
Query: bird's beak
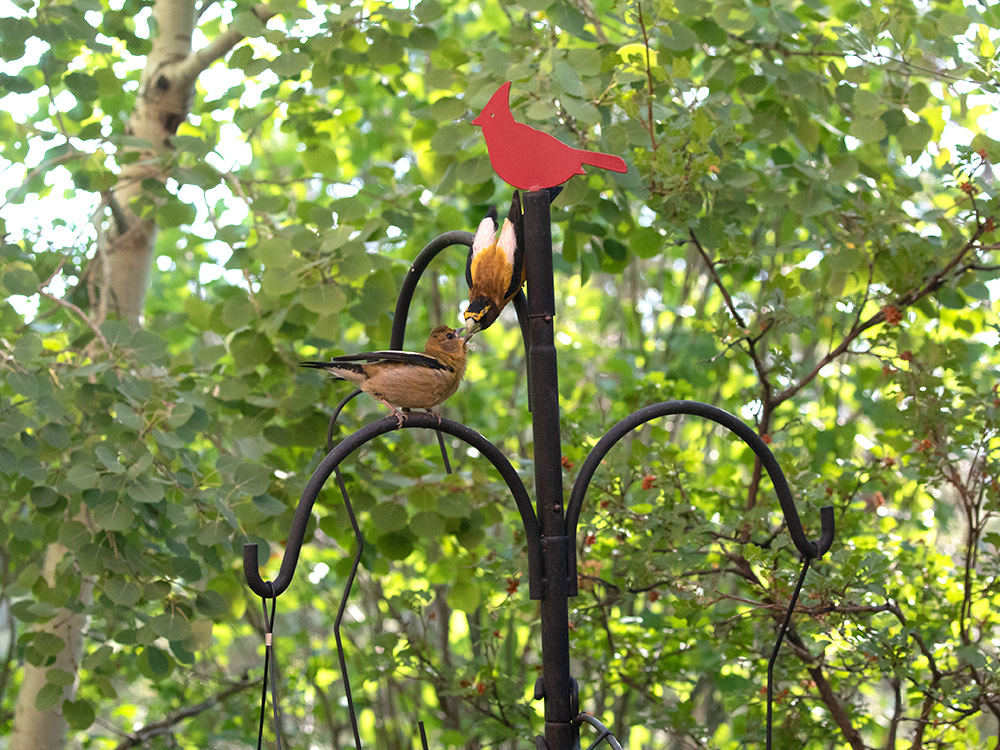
[471, 326]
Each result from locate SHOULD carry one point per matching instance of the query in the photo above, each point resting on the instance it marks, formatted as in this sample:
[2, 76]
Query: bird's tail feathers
[603, 161]
[342, 370]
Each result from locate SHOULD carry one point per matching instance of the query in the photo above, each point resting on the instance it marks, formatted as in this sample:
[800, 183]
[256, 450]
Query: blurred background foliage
[805, 238]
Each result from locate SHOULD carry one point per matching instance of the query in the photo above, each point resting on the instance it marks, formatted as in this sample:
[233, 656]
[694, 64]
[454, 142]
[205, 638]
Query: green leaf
[109, 458]
[709, 32]
[378, 297]
[952, 24]
[569, 79]
[82, 476]
[146, 490]
[123, 591]
[79, 714]
[252, 479]
[59, 677]
[327, 299]
[273, 251]
[173, 213]
[73, 535]
[19, 279]
[397, 545]
[389, 516]
[250, 349]
[48, 697]
[171, 625]
[454, 506]
[680, 38]
[113, 516]
[428, 10]
[385, 50]
[464, 596]
[427, 524]
[44, 497]
[211, 604]
[278, 281]
[951, 298]
[913, 139]
[290, 64]
[422, 37]
[154, 663]
[47, 644]
[269, 506]
[868, 129]
[248, 24]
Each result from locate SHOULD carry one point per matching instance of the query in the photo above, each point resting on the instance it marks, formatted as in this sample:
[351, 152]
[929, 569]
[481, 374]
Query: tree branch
[931, 285]
[166, 725]
[199, 61]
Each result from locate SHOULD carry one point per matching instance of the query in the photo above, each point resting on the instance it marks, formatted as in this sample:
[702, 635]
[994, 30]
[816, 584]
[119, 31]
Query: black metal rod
[777, 647]
[336, 415]
[521, 308]
[603, 732]
[409, 286]
[542, 367]
[560, 731]
[354, 441]
[359, 539]
[808, 549]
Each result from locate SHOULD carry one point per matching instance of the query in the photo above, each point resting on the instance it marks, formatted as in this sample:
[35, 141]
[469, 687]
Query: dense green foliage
[805, 238]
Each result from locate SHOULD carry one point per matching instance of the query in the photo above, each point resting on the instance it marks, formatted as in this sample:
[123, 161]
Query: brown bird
[494, 271]
[405, 380]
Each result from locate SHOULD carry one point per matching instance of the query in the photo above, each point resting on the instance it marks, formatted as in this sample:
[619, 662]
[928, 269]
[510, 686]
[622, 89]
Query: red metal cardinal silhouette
[527, 158]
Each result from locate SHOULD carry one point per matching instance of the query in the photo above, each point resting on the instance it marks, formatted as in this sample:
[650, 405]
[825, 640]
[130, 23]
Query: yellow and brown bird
[494, 270]
[405, 380]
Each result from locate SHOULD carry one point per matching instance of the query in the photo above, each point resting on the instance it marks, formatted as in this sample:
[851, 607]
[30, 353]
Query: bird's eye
[451, 335]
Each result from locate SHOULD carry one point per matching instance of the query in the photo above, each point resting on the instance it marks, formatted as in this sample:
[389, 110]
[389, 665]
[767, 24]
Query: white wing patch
[485, 235]
[508, 241]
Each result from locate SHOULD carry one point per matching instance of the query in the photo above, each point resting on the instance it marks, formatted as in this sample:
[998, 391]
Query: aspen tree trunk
[125, 255]
[42, 730]
[166, 92]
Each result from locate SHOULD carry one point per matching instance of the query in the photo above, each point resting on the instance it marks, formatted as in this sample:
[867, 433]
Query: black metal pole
[556, 683]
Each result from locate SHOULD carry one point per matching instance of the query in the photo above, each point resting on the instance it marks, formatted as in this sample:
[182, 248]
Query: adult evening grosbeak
[495, 268]
[405, 380]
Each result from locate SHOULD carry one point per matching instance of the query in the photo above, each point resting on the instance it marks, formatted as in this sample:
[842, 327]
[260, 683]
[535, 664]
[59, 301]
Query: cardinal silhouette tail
[603, 161]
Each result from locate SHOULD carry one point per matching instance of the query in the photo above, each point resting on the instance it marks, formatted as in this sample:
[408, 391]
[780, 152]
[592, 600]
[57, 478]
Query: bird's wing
[507, 244]
[391, 355]
[484, 237]
[517, 253]
[486, 231]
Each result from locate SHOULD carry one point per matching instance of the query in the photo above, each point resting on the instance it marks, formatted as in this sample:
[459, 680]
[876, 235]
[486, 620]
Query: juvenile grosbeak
[405, 380]
[494, 270]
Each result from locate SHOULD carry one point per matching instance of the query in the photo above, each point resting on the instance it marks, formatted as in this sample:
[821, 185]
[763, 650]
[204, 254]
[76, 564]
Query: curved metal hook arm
[409, 286]
[354, 441]
[808, 549]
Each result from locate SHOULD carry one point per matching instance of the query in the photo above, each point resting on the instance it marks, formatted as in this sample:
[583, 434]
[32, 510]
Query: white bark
[46, 730]
[126, 249]
[166, 91]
